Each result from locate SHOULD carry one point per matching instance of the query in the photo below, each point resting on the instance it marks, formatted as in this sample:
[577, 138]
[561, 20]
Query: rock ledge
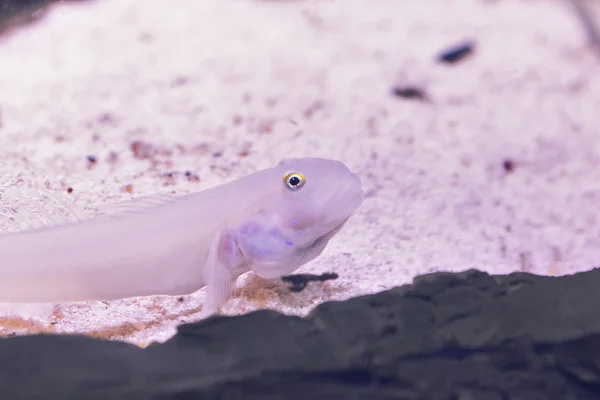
[465, 336]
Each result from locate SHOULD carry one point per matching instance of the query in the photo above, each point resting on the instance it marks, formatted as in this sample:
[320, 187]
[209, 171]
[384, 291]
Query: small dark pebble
[456, 53]
[92, 159]
[191, 177]
[409, 92]
[69, 190]
[169, 178]
[508, 165]
[299, 281]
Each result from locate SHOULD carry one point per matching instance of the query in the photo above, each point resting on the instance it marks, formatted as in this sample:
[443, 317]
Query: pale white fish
[271, 222]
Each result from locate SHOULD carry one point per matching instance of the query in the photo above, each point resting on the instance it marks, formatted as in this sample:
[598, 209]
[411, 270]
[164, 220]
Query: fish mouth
[354, 190]
[345, 200]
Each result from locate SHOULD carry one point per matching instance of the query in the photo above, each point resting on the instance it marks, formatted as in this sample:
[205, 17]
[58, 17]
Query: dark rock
[16, 13]
[447, 336]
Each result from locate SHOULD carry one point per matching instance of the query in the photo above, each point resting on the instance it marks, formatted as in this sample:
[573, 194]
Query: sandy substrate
[497, 170]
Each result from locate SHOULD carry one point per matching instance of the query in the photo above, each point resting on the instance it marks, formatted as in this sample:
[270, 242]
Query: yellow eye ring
[294, 180]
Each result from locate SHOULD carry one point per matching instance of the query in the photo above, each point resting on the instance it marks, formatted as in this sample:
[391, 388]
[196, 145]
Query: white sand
[276, 79]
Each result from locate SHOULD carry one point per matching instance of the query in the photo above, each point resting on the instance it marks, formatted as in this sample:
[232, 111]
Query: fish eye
[294, 180]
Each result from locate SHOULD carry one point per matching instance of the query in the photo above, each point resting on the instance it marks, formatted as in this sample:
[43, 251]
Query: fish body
[271, 222]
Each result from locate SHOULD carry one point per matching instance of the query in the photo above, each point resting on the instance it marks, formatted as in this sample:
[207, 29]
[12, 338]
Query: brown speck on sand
[142, 150]
[191, 177]
[127, 188]
[266, 127]
[169, 179]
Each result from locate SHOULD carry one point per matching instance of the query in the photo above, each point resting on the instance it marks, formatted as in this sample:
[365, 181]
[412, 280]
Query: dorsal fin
[131, 208]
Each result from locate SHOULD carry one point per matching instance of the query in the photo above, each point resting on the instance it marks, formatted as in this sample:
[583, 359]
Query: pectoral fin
[225, 263]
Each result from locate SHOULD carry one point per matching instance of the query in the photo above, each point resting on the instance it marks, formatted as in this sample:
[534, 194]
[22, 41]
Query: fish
[270, 222]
